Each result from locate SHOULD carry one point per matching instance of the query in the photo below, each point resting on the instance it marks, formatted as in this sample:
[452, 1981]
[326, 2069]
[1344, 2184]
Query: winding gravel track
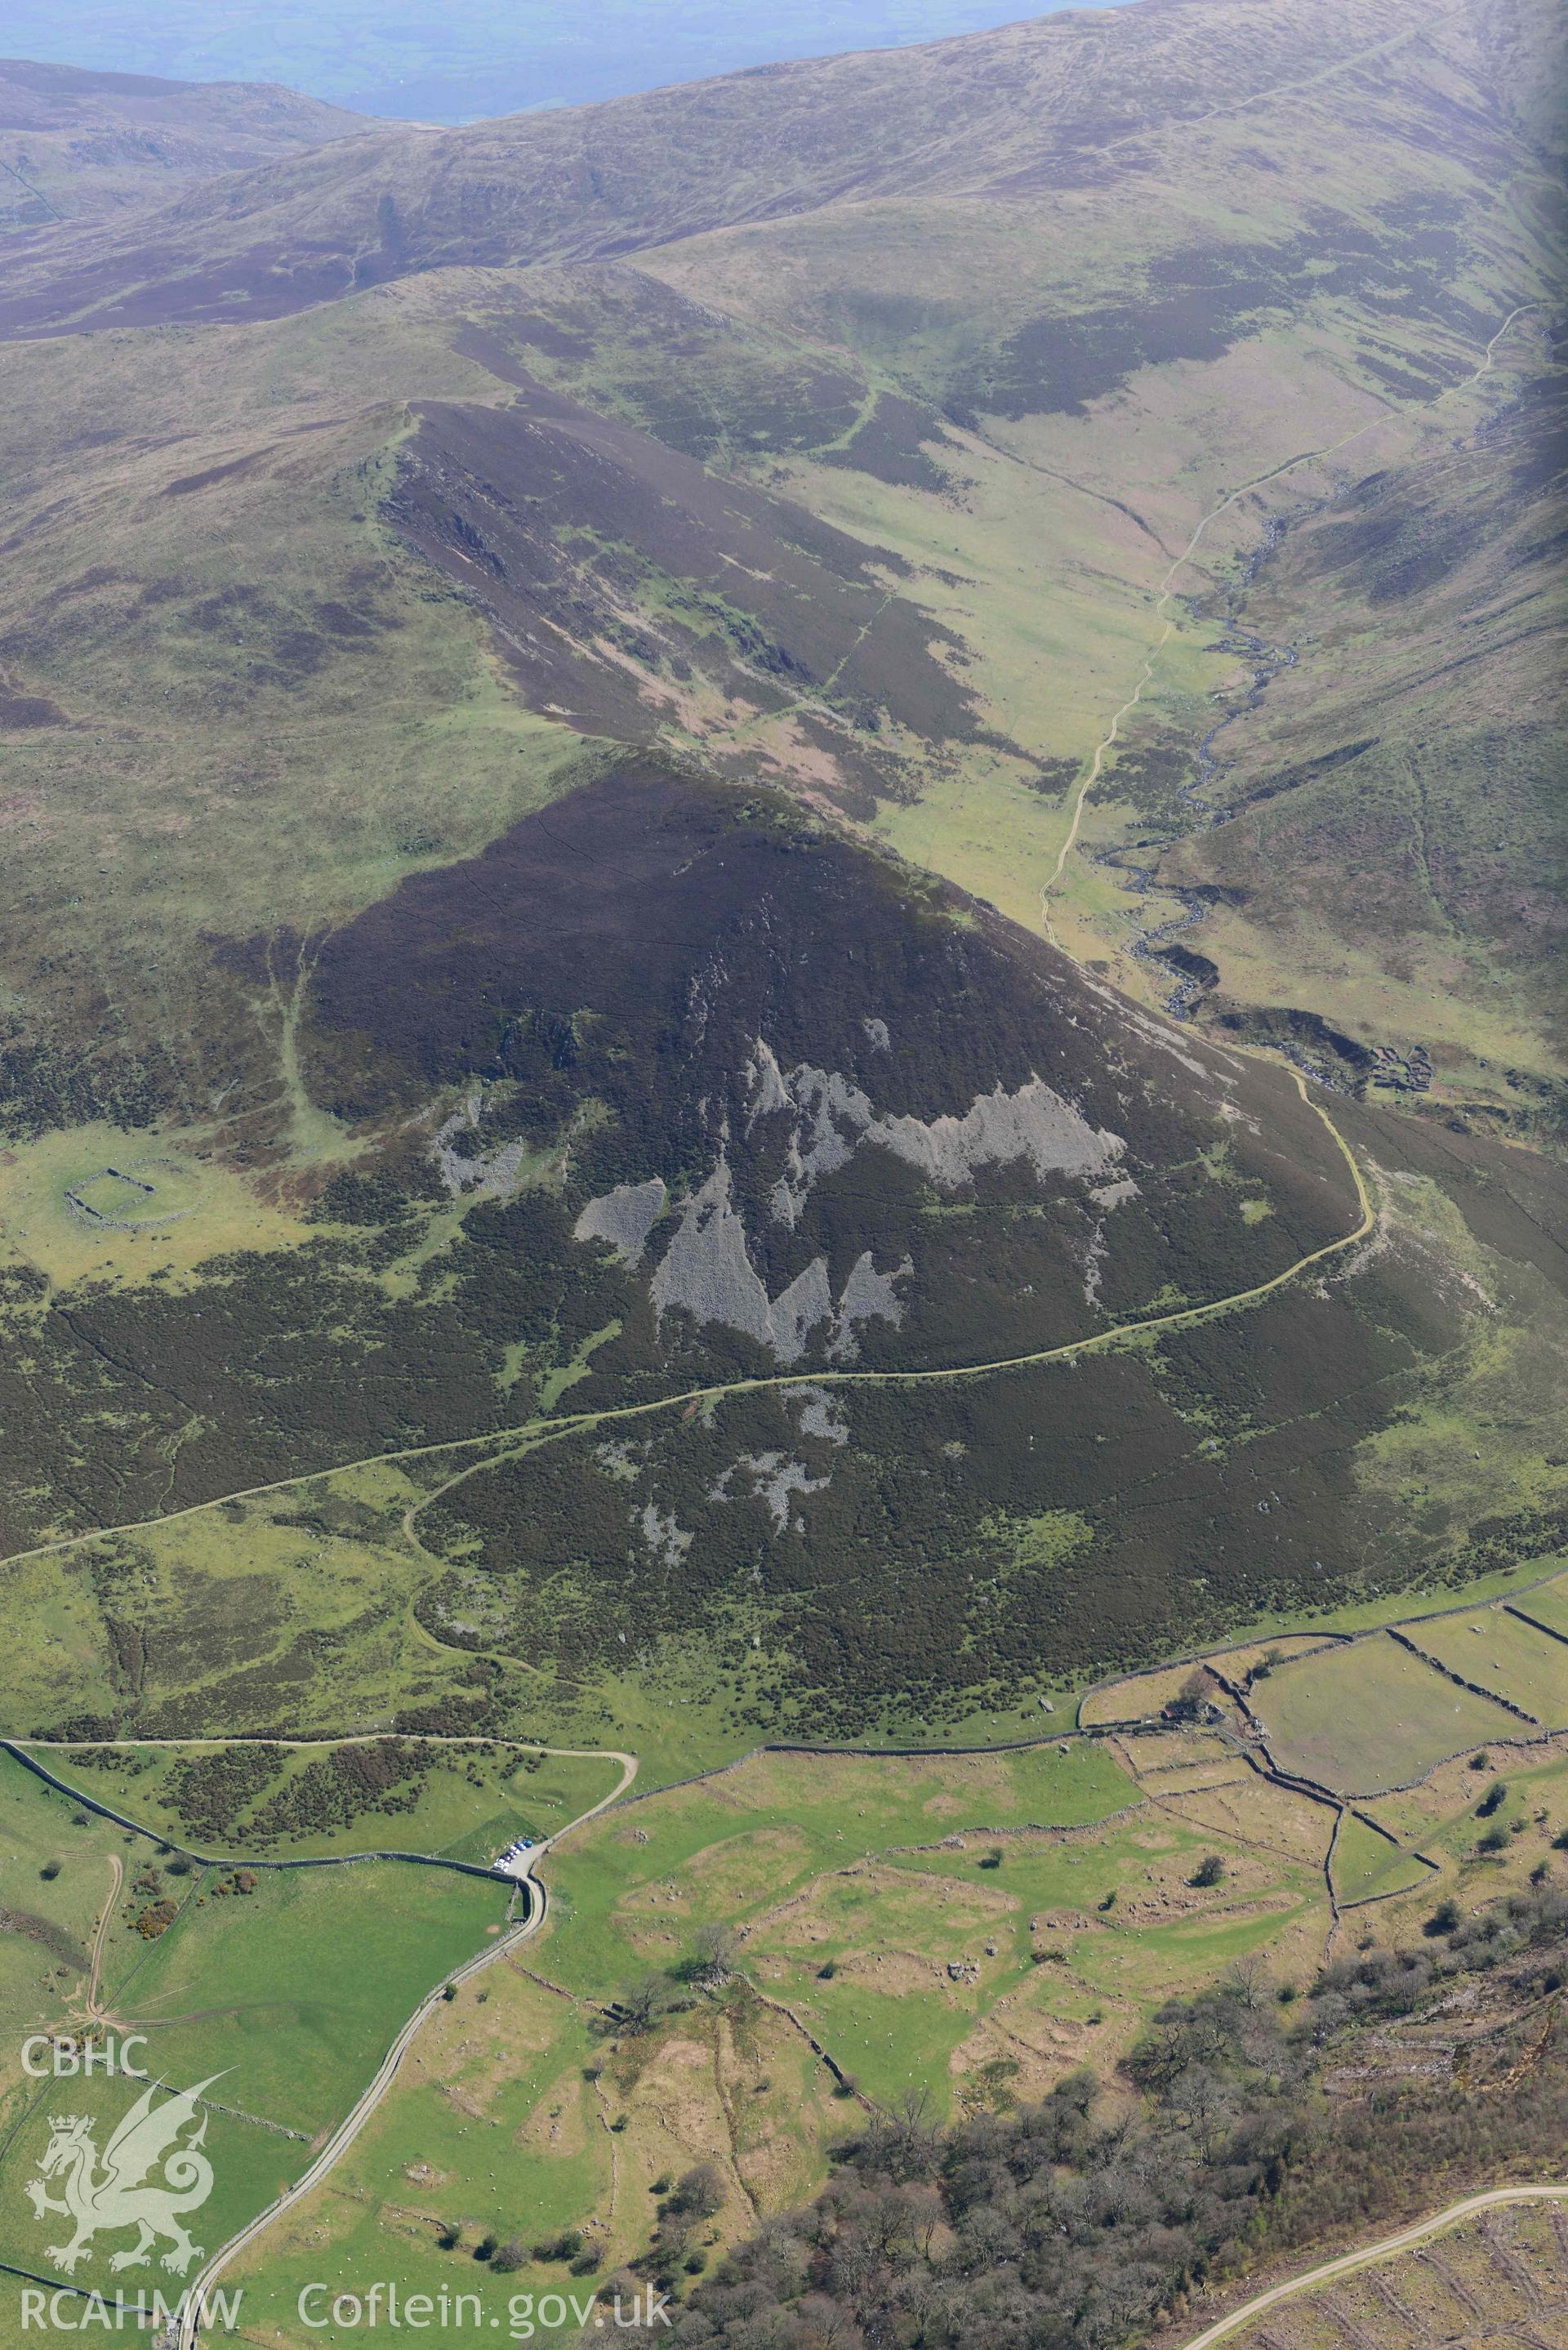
[529, 1434]
[1384, 2249]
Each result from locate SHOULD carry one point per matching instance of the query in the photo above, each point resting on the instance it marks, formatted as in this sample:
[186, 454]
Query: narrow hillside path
[116, 1879]
[527, 1434]
[1233, 107]
[36, 194]
[1403, 2239]
[1178, 1317]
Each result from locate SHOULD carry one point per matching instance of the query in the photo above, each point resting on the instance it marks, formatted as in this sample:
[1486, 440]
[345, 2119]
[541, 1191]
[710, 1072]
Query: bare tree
[715, 1956]
[1246, 1980]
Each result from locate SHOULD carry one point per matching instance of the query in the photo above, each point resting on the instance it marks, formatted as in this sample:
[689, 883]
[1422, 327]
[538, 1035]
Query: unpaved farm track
[353, 2121]
[116, 1879]
[529, 1434]
[1402, 2241]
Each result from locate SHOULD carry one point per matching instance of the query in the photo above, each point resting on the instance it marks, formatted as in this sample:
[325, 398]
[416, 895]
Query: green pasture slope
[850, 1883]
[289, 1985]
[1499, 1652]
[1548, 1605]
[464, 2140]
[753, 1835]
[514, 2120]
[53, 1875]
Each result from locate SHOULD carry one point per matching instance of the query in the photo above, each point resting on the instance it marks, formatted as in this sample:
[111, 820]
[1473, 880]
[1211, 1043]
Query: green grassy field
[493, 2125]
[1548, 1603]
[1366, 1866]
[245, 1590]
[43, 1957]
[1512, 1658]
[864, 1907]
[1143, 1694]
[299, 1985]
[1445, 1819]
[1091, 1932]
[219, 1211]
[783, 1818]
[1443, 1803]
[979, 1925]
[865, 1912]
[288, 1984]
[1372, 1716]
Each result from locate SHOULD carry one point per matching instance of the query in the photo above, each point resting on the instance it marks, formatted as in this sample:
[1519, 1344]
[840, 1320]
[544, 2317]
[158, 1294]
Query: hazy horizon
[479, 56]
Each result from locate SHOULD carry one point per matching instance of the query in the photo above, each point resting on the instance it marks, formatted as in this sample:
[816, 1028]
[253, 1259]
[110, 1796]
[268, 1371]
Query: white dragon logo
[115, 2196]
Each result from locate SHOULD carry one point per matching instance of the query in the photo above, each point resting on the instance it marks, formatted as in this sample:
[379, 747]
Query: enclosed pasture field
[1494, 1648]
[745, 1839]
[281, 1989]
[1368, 1867]
[1142, 1698]
[1141, 1695]
[1372, 1716]
[1547, 1604]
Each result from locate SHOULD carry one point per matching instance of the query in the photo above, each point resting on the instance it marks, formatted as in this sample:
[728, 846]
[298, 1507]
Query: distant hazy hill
[1081, 105]
[78, 145]
[474, 57]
